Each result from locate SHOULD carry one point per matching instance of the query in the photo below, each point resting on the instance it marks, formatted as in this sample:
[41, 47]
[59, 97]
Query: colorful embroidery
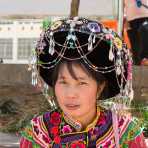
[78, 144]
[52, 130]
[66, 129]
[55, 118]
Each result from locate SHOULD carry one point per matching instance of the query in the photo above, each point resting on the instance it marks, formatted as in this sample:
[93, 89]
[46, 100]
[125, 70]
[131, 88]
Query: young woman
[83, 62]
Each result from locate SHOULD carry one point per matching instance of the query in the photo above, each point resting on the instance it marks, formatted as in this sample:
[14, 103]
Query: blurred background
[21, 23]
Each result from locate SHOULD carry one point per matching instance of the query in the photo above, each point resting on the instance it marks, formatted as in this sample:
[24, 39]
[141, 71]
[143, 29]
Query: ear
[101, 88]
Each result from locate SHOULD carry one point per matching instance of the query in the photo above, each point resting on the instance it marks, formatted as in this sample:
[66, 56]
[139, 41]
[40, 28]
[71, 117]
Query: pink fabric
[24, 143]
[138, 142]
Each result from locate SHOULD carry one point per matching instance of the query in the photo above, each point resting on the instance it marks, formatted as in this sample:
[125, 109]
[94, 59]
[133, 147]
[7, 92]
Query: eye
[62, 82]
[83, 83]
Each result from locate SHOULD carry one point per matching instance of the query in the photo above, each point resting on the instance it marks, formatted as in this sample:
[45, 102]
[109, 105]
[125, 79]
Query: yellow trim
[92, 125]
[73, 133]
[43, 126]
[74, 123]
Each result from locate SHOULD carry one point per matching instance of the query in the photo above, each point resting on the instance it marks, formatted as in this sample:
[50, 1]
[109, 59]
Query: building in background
[17, 39]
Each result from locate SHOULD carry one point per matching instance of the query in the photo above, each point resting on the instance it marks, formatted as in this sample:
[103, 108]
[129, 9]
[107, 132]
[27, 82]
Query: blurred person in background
[136, 12]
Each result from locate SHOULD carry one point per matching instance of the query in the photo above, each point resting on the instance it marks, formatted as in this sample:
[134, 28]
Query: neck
[87, 119]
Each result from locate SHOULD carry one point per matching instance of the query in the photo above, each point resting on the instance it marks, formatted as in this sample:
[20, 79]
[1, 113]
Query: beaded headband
[99, 47]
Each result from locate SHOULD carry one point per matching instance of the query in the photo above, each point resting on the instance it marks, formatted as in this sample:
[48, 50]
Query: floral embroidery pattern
[102, 119]
[57, 140]
[55, 130]
[62, 135]
[78, 144]
[66, 129]
[39, 135]
[55, 118]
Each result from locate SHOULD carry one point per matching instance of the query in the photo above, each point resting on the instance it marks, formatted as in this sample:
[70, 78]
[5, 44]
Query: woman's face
[76, 97]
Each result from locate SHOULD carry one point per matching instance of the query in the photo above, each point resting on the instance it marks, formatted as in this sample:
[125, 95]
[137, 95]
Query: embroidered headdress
[98, 46]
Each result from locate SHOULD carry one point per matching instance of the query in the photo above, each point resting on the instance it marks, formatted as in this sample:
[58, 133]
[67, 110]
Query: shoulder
[129, 127]
[37, 129]
[51, 117]
[104, 117]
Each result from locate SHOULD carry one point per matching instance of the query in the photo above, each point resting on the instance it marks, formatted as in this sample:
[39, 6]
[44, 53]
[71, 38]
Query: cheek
[58, 91]
[90, 95]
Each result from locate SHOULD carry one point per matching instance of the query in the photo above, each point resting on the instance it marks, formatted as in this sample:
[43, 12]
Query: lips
[72, 106]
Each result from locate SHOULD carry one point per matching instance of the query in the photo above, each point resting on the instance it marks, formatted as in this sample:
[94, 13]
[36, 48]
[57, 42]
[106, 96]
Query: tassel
[51, 102]
[118, 63]
[51, 44]
[94, 39]
[111, 55]
[71, 39]
[34, 78]
[90, 43]
[45, 90]
[118, 70]
[51, 47]
[34, 75]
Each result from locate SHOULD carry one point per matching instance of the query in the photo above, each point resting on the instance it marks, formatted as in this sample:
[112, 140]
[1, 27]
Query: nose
[71, 92]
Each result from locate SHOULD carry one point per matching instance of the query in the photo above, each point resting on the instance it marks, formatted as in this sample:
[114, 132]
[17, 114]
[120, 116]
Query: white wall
[19, 29]
[106, 8]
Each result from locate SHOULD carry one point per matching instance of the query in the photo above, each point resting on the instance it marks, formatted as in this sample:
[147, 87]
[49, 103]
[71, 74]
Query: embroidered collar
[77, 125]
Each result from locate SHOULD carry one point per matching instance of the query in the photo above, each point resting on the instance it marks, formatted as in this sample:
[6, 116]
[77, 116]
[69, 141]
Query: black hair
[98, 77]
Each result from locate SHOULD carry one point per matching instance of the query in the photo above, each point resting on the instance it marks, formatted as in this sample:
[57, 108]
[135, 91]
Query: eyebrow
[78, 78]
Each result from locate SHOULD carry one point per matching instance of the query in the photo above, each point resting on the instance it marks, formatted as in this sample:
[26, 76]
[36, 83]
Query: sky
[55, 7]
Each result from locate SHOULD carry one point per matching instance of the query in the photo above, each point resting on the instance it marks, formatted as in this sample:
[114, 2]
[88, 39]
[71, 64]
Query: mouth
[72, 106]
